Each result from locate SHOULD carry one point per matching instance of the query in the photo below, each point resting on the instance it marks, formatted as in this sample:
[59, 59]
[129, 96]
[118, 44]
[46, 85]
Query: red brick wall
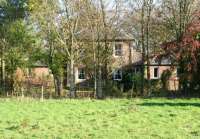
[40, 72]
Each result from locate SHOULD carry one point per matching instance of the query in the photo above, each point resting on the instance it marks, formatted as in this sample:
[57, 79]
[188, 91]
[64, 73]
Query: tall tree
[186, 52]
[45, 17]
[142, 11]
[178, 15]
[68, 36]
[15, 37]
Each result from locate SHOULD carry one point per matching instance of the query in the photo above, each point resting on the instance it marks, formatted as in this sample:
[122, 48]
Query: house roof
[112, 36]
[39, 64]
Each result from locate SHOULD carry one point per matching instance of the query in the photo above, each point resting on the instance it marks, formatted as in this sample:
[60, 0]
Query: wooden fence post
[42, 97]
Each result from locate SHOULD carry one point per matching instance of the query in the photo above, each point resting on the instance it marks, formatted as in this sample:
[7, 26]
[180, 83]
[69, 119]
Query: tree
[68, 33]
[143, 12]
[15, 38]
[180, 15]
[68, 36]
[44, 15]
[108, 31]
[186, 52]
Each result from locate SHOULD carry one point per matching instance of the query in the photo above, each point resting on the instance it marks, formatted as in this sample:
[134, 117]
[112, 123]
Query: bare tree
[143, 10]
[101, 27]
[69, 37]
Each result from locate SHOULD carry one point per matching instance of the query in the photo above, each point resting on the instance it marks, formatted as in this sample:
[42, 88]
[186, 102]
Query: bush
[112, 89]
[165, 78]
[132, 82]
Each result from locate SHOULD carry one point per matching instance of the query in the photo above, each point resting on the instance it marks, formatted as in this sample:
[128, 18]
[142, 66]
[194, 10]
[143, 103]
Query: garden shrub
[165, 78]
[113, 89]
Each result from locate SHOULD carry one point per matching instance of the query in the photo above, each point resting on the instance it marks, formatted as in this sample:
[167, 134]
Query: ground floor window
[81, 73]
[136, 70]
[117, 74]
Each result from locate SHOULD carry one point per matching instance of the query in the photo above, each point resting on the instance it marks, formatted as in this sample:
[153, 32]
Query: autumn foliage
[186, 52]
[187, 49]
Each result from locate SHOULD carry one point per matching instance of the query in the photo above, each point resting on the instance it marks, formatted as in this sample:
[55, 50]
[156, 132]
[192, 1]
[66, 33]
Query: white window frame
[118, 53]
[155, 77]
[83, 73]
[115, 72]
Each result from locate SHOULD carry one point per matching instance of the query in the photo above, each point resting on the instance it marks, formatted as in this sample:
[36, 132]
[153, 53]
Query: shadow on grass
[169, 104]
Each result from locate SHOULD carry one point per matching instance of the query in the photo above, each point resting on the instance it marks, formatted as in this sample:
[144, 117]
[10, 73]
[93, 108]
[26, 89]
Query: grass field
[93, 119]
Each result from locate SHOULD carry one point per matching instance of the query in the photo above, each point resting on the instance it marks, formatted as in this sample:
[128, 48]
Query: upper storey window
[118, 49]
[155, 73]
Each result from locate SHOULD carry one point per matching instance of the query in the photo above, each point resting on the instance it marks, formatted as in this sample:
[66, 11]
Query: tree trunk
[148, 78]
[42, 93]
[59, 86]
[72, 80]
[143, 50]
[58, 83]
[1, 69]
[95, 70]
[103, 78]
[22, 91]
[149, 6]
[55, 84]
[99, 89]
[99, 84]
[2, 78]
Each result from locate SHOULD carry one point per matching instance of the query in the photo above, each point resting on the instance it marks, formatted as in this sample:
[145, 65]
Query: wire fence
[40, 89]
[37, 88]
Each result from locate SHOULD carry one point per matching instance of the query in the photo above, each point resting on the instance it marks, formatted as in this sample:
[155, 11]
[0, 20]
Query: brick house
[124, 56]
[158, 65]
